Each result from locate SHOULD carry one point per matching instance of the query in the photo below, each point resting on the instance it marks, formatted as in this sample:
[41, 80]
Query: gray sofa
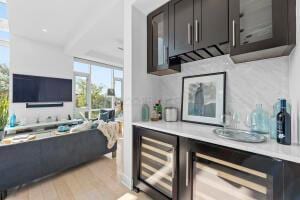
[25, 162]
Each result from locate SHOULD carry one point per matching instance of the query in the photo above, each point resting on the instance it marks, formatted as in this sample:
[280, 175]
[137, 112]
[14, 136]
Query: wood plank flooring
[97, 180]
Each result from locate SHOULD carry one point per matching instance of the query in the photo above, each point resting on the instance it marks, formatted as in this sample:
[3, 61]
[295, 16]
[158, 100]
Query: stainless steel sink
[240, 135]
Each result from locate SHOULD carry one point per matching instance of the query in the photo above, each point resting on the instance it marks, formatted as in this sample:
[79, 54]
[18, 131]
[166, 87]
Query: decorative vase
[145, 113]
[260, 121]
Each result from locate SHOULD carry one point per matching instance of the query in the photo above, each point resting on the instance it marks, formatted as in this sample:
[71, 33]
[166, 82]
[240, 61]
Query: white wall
[294, 78]
[139, 87]
[127, 146]
[34, 58]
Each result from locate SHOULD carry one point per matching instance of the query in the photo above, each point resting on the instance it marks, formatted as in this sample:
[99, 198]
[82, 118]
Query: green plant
[4, 80]
[3, 111]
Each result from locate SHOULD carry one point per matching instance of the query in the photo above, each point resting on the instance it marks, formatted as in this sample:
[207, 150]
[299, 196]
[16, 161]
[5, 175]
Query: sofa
[25, 162]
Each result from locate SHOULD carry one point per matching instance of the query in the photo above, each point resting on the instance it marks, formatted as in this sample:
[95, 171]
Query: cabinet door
[158, 40]
[257, 25]
[291, 181]
[214, 172]
[155, 163]
[210, 23]
[181, 26]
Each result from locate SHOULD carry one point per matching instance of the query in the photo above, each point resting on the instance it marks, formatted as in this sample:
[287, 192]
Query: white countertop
[205, 133]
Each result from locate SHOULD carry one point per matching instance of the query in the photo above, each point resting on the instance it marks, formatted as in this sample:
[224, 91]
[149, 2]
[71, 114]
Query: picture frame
[204, 98]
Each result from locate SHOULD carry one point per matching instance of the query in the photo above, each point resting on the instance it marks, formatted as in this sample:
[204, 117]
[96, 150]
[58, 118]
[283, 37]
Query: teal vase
[260, 121]
[12, 120]
[145, 113]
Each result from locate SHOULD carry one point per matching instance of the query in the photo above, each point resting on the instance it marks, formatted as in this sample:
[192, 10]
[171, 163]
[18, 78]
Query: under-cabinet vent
[204, 53]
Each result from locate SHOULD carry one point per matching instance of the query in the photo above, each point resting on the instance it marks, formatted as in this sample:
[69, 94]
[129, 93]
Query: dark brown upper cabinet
[198, 27]
[181, 26]
[158, 43]
[261, 29]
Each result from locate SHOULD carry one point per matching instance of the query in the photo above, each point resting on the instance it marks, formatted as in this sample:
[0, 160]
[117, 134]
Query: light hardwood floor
[97, 180]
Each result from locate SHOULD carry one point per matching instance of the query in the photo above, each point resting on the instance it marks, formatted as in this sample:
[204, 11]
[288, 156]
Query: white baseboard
[127, 181]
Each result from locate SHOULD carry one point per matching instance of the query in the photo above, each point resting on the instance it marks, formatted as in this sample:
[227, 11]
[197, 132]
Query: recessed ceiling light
[44, 30]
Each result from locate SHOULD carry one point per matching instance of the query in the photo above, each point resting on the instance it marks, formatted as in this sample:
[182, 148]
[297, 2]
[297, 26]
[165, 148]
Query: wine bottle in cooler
[283, 124]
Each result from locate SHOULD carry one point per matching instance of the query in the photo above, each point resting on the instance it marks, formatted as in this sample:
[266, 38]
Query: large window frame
[88, 110]
[3, 41]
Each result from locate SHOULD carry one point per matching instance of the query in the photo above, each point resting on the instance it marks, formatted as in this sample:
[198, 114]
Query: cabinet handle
[173, 163]
[196, 31]
[189, 34]
[233, 33]
[187, 169]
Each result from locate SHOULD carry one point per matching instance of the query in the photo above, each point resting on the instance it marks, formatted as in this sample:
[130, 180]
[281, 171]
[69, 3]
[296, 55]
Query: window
[92, 81]
[3, 10]
[4, 63]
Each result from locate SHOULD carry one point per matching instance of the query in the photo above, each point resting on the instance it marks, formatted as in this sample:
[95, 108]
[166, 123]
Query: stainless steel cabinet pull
[187, 169]
[233, 33]
[189, 34]
[173, 163]
[196, 31]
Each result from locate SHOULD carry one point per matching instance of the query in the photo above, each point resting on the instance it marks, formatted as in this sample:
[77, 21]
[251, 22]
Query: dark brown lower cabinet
[170, 167]
[212, 172]
[155, 163]
[291, 181]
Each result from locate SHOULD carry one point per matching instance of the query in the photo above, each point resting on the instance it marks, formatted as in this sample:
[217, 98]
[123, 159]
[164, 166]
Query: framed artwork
[203, 98]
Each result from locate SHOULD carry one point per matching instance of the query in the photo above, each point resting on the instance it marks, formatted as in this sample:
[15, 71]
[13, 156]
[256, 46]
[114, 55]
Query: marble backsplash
[248, 84]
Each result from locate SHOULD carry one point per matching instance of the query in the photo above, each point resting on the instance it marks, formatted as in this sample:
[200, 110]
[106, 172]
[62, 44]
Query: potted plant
[3, 114]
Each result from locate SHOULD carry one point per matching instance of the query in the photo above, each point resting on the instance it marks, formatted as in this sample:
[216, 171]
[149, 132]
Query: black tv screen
[41, 89]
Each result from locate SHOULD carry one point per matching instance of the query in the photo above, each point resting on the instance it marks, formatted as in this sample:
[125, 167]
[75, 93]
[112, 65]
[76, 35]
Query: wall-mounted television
[41, 89]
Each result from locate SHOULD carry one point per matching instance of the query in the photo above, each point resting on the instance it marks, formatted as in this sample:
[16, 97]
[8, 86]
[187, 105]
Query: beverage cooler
[213, 172]
[155, 166]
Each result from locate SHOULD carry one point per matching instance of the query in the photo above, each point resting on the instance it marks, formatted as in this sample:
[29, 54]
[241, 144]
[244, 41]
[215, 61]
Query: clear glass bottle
[260, 121]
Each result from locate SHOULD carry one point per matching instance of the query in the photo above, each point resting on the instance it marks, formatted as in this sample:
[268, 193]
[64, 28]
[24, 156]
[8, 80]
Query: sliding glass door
[92, 82]
[81, 94]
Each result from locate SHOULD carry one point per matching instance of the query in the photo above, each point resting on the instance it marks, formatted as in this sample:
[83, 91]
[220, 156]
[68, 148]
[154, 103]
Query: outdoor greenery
[4, 103]
[98, 98]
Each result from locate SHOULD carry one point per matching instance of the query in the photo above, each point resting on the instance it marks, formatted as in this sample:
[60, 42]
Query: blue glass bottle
[145, 113]
[12, 120]
[273, 121]
[283, 124]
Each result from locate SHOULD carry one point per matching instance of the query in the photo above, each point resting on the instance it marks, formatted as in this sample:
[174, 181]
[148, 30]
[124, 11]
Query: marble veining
[249, 83]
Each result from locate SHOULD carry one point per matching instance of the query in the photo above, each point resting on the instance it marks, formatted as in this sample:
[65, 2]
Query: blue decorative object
[260, 121]
[145, 113]
[12, 120]
[63, 128]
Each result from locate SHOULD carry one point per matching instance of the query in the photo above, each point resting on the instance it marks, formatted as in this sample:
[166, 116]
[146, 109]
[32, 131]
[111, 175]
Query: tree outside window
[92, 85]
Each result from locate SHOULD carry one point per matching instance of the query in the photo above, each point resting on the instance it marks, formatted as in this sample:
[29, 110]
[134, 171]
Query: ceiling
[90, 29]
[147, 6]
